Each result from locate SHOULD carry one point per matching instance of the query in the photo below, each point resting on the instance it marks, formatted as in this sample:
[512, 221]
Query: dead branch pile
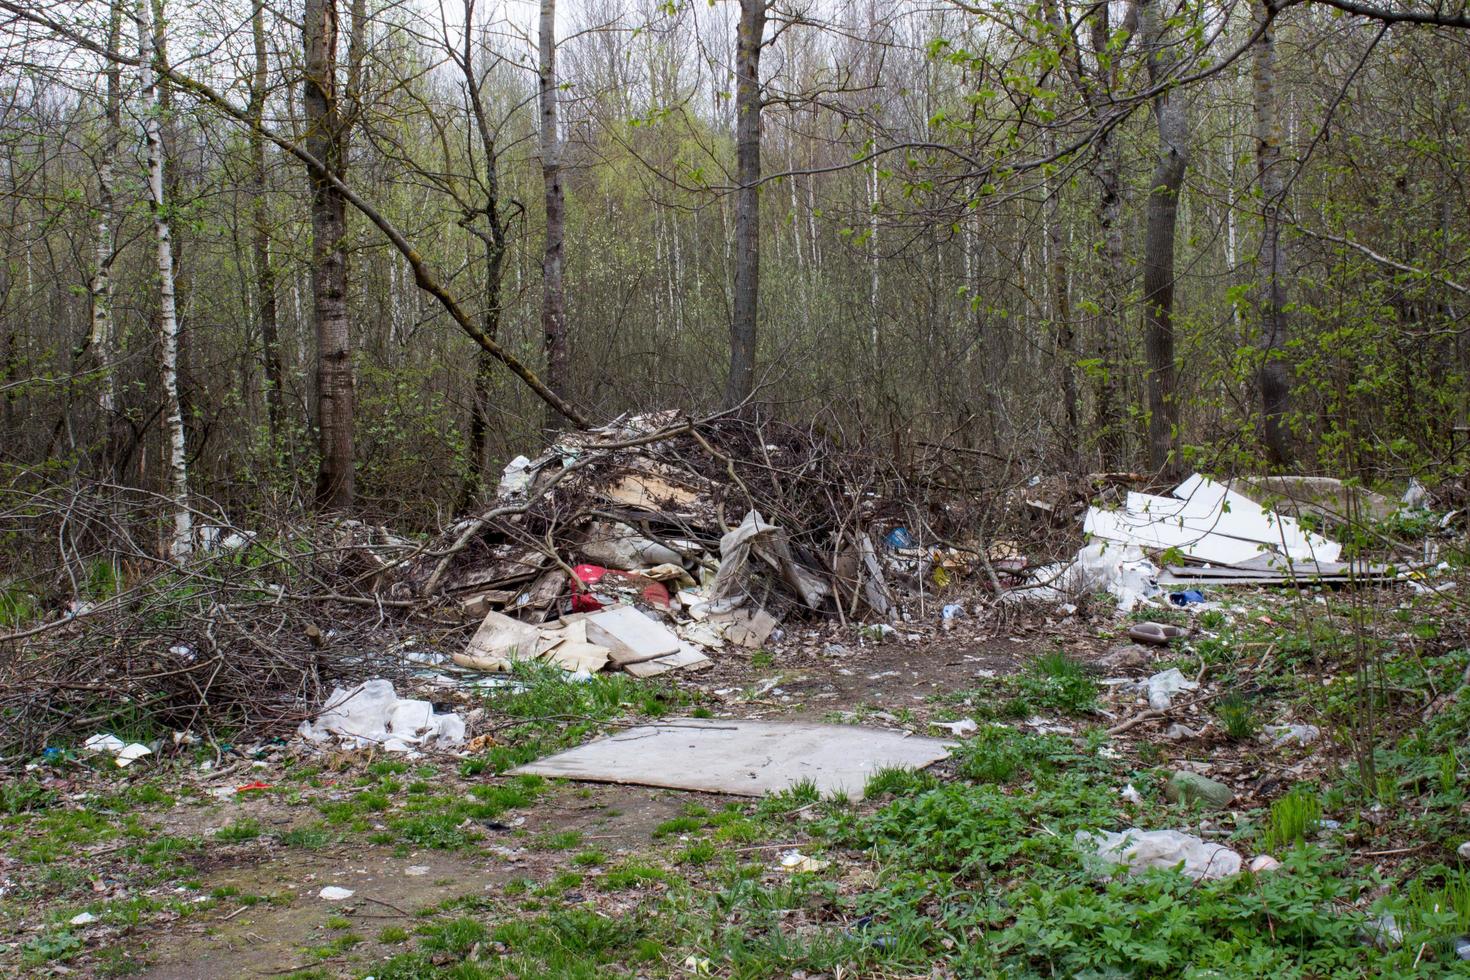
[657, 489]
[241, 641]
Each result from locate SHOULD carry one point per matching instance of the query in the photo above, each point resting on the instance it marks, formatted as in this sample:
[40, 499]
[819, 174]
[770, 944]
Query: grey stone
[1189, 787]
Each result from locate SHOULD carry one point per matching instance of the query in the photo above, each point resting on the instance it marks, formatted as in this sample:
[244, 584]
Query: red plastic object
[588, 574]
[585, 602]
[252, 787]
[656, 594]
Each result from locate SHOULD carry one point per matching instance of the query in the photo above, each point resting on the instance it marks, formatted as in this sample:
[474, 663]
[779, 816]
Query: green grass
[1237, 716]
[1293, 818]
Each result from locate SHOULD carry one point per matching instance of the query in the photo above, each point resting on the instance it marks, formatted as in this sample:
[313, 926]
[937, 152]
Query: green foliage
[1237, 716]
[1060, 683]
[1293, 818]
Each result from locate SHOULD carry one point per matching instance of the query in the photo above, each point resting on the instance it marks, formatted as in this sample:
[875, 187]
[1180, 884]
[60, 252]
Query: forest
[1086, 379]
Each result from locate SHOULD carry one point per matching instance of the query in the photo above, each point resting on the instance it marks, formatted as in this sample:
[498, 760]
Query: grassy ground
[969, 870]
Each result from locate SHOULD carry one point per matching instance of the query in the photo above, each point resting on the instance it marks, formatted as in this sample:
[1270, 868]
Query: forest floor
[967, 869]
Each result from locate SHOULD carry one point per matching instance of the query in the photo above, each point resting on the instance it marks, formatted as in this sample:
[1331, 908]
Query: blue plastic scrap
[1187, 597]
[899, 537]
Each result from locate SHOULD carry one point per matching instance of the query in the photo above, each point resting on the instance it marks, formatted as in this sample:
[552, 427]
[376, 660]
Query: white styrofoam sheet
[1248, 519]
[1152, 533]
[742, 758]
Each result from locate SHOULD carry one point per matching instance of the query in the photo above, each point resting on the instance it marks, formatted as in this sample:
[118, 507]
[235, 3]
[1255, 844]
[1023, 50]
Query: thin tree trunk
[265, 274]
[324, 139]
[553, 295]
[494, 238]
[103, 338]
[1274, 379]
[181, 543]
[740, 383]
[1061, 313]
[1158, 248]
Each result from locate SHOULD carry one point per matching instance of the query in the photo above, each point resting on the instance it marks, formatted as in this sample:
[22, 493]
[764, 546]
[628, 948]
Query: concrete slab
[742, 758]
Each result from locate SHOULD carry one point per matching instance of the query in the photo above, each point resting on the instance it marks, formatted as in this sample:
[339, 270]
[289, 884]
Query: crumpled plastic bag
[372, 714]
[1123, 571]
[1138, 850]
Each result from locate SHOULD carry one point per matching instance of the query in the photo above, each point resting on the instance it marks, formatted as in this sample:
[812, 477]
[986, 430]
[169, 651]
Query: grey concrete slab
[743, 758]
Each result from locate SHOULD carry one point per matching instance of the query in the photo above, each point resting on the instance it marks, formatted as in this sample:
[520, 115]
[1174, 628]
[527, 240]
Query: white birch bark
[182, 540]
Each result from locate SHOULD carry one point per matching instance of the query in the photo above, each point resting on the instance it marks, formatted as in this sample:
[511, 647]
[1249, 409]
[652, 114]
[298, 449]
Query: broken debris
[372, 715]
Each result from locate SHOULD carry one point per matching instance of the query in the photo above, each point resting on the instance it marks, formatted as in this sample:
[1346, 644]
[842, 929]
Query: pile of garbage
[1209, 535]
[648, 544]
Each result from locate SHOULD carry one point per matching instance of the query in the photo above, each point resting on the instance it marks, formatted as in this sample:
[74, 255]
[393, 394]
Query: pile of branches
[241, 641]
[683, 484]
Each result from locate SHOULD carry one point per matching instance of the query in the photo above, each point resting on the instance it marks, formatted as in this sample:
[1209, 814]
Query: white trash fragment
[334, 894]
[126, 753]
[416, 870]
[1262, 863]
[1384, 932]
[1139, 850]
[1178, 733]
[1120, 570]
[1416, 497]
[1464, 851]
[371, 714]
[699, 965]
[83, 919]
[1161, 688]
[794, 861]
[515, 479]
[964, 726]
[1130, 794]
[1283, 735]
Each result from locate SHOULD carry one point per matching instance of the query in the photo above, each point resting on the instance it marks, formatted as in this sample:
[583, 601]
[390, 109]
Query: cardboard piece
[502, 638]
[688, 658]
[630, 636]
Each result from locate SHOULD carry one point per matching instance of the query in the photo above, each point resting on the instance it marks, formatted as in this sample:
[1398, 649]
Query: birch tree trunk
[740, 382]
[1274, 378]
[265, 274]
[553, 294]
[181, 542]
[324, 139]
[1158, 247]
[103, 337]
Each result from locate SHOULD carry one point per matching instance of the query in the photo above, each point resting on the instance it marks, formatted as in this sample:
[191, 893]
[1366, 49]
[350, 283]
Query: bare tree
[265, 273]
[325, 140]
[1274, 379]
[553, 293]
[103, 337]
[1172, 156]
[181, 542]
[750, 39]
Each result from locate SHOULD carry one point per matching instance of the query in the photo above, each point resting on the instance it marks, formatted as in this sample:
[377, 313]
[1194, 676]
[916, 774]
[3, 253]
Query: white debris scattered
[515, 479]
[794, 861]
[964, 726]
[334, 894]
[371, 714]
[83, 919]
[1416, 497]
[1139, 850]
[1283, 735]
[1208, 522]
[126, 752]
[1122, 571]
[1161, 688]
[416, 870]
[1464, 851]
[1130, 794]
[1262, 863]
